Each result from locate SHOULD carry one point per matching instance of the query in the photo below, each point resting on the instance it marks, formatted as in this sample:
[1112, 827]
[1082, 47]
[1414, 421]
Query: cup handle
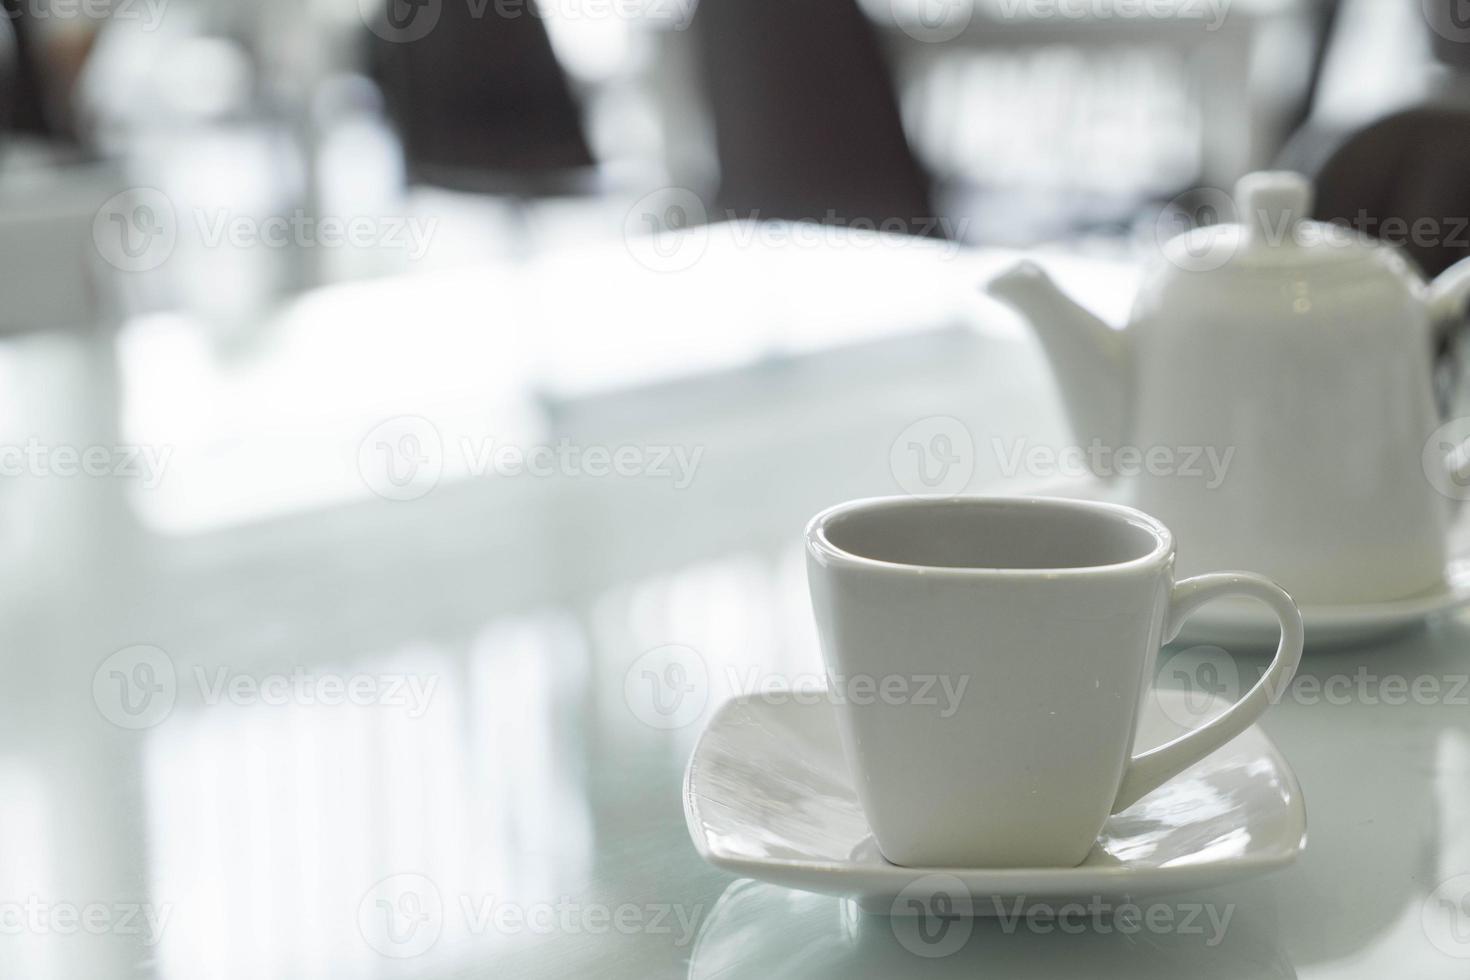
[1151, 769]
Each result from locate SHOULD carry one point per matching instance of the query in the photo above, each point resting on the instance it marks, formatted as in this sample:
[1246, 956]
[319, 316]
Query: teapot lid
[1273, 231]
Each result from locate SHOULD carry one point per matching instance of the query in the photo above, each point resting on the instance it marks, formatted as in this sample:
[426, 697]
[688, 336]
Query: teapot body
[1305, 398]
[1272, 398]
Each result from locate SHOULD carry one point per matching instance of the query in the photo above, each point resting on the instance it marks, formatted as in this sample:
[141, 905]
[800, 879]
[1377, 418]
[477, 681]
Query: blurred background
[497, 350]
[516, 126]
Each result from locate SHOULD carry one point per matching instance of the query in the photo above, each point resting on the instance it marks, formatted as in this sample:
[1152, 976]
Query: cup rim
[820, 547]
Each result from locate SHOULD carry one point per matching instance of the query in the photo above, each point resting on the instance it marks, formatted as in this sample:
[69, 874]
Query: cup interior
[1001, 534]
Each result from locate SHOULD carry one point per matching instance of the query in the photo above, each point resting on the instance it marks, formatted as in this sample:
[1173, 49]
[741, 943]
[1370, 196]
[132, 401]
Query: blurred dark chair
[481, 103]
[9, 73]
[22, 104]
[1313, 145]
[805, 117]
[1321, 21]
[1408, 166]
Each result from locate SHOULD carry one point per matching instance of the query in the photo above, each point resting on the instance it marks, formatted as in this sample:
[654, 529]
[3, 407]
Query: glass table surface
[341, 656]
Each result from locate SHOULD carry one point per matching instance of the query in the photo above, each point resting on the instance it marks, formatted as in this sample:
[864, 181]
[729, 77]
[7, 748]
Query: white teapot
[1298, 355]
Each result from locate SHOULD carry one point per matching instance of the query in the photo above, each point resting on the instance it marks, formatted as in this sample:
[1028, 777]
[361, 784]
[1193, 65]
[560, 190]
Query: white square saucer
[767, 795]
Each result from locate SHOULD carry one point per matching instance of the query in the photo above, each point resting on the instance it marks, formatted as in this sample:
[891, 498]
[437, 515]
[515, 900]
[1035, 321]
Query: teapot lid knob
[1271, 202]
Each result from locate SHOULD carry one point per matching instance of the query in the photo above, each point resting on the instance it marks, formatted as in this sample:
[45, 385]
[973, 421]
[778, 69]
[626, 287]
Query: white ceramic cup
[988, 656]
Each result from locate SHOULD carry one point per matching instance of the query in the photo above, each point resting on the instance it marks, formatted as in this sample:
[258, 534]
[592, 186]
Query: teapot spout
[1092, 361]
